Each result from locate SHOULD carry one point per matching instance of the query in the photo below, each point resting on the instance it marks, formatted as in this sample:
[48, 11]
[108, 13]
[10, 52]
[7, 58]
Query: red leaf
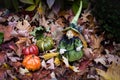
[84, 64]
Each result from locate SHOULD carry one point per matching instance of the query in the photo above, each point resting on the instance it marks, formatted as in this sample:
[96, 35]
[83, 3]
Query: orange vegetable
[31, 62]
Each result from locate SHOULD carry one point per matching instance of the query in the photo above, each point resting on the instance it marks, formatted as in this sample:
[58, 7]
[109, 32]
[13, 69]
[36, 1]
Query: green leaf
[85, 3]
[37, 2]
[75, 8]
[27, 1]
[30, 8]
[15, 4]
[1, 37]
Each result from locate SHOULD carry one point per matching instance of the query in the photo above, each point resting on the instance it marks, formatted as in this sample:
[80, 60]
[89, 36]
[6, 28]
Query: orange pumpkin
[31, 62]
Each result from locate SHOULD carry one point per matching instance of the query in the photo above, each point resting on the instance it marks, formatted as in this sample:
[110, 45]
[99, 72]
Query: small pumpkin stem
[33, 56]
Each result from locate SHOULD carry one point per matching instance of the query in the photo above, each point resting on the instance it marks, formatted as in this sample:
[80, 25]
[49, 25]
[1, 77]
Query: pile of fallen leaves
[101, 56]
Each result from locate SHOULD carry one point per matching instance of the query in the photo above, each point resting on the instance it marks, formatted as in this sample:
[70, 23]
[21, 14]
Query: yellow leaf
[57, 61]
[113, 72]
[49, 55]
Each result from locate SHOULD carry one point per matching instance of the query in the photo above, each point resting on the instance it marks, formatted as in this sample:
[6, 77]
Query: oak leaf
[113, 72]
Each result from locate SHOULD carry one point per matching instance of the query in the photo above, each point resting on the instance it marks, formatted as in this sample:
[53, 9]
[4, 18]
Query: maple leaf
[113, 72]
[24, 28]
[23, 25]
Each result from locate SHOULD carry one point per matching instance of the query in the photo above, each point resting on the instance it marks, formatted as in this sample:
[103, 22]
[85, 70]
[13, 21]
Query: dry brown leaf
[85, 16]
[43, 22]
[23, 25]
[23, 40]
[96, 41]
[3, 58]
[113, 72]
[7, 32]
[3, 74]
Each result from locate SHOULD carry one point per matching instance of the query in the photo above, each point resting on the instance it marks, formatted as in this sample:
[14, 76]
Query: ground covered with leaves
[101, 60]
